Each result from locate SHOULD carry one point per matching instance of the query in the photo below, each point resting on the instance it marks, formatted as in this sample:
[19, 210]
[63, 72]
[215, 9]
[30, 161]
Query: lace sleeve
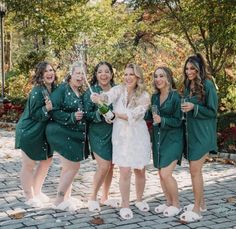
[138, 112]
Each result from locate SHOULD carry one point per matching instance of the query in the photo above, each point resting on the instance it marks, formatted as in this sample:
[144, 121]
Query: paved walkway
[220, 192]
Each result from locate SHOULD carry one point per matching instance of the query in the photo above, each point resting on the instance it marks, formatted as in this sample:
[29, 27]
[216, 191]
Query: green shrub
[227, 132]
[17, 89]
[226, 120]
[30, 60]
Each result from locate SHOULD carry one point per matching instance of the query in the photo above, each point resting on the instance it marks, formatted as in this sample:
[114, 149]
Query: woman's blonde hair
[140, 83]
[169, 77]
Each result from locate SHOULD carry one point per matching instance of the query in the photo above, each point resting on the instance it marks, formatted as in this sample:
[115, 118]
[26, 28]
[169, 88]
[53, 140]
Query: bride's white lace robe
[130, 139]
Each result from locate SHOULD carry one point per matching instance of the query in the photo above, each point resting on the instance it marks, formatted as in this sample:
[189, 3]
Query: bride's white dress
[130, 139]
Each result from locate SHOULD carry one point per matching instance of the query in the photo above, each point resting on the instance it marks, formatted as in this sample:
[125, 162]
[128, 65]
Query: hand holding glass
[79, 114]
[47, 100]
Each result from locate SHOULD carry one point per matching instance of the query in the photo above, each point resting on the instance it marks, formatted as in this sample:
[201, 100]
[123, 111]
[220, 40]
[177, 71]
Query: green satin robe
[65, 134]
[167, 137]
[201, 123]
[30, 130]
[99, 131]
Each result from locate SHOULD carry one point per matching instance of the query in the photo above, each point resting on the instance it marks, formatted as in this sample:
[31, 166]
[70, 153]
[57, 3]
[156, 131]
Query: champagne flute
[79, 109]
[155, 111]
[45, 93]
[79, 112]
[46, 96]
[183, 102]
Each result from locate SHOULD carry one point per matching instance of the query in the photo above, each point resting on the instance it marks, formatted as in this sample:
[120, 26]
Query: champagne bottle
[105, 111]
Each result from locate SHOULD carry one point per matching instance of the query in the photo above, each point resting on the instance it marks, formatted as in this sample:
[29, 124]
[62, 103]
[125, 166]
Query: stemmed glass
[183, 102]
[155, 111]
[79, 109]
[45, 93]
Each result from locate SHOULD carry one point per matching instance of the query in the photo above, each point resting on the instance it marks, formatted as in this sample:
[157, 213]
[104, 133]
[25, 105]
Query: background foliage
[148, 32]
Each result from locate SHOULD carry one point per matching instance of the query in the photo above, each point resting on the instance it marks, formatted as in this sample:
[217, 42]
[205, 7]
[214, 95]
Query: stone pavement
[220, 193]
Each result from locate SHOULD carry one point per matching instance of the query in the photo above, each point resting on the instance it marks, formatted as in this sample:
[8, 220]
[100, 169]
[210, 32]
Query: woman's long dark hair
[199, 64]
[39, 71]
[94, 79]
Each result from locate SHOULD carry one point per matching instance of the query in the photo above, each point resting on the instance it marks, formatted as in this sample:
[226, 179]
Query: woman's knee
[104, 167]
[166, 172]
[28, 165]
[140, 173]
[71, 166]
[45, 163]
[76, 166]
[125, 173]
[195, 171]
[164, 175]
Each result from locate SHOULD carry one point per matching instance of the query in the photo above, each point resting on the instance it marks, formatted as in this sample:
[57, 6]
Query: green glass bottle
[105, 111]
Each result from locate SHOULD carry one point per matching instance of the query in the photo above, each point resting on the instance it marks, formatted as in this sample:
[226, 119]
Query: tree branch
[223, 59]
[207, 48]
[182, 26]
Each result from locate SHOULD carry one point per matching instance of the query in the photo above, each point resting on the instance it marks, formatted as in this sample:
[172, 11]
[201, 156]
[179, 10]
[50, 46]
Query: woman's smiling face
[48, 75]
[77, 77]
[130, 78]
[191, 71]
[160, 79]
[104, 75]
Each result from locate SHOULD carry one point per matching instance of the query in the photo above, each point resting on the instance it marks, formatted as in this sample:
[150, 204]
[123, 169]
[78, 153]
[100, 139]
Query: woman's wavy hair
[199, 64]
[67, 78]
[39, 72]
[140, 88]
[94, 78]
[169, 76]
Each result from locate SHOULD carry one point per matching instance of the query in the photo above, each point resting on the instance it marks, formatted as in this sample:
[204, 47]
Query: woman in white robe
[130, 136]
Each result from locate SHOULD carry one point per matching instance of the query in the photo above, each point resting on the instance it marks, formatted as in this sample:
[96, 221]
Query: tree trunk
[7, 46]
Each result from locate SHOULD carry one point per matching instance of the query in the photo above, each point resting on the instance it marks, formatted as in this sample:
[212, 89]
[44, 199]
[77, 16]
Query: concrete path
[220, 192]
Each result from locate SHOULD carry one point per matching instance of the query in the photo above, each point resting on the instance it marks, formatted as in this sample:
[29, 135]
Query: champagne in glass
[155, 111]
[45, 93]
[183, 102]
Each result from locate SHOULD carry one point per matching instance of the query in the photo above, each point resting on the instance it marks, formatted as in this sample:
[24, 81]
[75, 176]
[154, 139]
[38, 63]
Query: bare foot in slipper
[142, 206]
[93, 206]
[160, 208]
[190, 208]
[190, 216]
[171, 211]
[114, 203]
[126, 213]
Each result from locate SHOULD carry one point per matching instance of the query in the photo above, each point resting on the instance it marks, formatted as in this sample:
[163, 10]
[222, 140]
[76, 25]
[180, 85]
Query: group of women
[66, 119]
